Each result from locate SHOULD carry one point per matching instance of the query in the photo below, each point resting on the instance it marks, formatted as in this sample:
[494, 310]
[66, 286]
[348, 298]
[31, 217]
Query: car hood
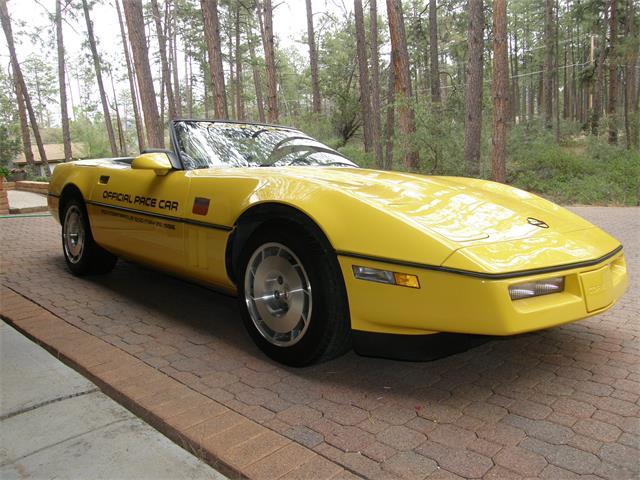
[461, 210]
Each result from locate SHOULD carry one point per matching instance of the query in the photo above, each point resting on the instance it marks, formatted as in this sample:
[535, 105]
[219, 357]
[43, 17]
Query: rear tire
[292, 297]
[82, 254]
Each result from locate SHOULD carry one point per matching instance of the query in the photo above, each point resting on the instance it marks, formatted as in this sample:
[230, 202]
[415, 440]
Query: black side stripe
[163, 217]
[490, 276]
[53, 195]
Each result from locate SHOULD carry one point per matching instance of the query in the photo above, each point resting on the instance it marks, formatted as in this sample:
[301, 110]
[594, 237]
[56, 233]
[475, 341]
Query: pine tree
[473, 120]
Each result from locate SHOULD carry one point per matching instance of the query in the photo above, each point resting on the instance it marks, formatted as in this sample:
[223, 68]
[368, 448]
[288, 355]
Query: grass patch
[580, 171]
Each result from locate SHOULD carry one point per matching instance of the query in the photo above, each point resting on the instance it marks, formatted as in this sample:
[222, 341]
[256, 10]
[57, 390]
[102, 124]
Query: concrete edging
[33, 187]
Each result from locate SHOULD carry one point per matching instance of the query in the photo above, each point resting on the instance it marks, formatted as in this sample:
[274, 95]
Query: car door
[208, 225]
[138, 214]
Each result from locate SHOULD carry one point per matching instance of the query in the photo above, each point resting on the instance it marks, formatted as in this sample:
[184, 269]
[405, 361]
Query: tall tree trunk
[375, 84]
[566, 90]
[189, 85]
[516, 85]
[400, 55]
[613, 73]
[531, 94]
[36, 130]
[631, 79]
[256, 76]
[205, 98]
[64, 115]
[214, 50]
[313, 60]
[270, 61]
[500, 92]
[98, 70]
[40, 103]
[239, 83]
[132, 80]
[433, 51]
[122, 143]
[556, 76]
[232, 81]
[162, 44]
[574, 87]
[135, 26]
[69, 89]
[473, 123]
[598, 88]
[548, 74]
[363, 71]
[390, 120]
[174, 61]
[627, 127]
[162, 97]
[24, 123]
[22, 95]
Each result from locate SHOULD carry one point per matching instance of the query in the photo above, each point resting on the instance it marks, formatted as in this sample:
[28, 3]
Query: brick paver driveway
[552, 404]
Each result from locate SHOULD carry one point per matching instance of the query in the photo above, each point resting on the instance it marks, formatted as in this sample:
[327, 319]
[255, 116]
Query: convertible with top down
[323, 254]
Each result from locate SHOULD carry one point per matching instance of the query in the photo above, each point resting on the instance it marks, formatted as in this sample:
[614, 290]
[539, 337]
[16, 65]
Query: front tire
[82, 254]
[292, 297]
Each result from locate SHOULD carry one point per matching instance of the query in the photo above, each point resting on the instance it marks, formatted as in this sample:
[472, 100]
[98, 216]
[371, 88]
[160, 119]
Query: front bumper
[450, 302]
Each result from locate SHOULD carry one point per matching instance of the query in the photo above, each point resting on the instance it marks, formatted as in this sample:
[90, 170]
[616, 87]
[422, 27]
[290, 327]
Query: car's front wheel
[82, 254]
[292, 297]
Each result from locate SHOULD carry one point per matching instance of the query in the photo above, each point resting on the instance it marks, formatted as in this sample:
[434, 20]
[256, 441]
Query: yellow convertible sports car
[323, 254]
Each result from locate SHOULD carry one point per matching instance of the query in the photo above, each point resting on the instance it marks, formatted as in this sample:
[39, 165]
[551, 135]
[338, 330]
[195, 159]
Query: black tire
[328, 330]
[82, 254]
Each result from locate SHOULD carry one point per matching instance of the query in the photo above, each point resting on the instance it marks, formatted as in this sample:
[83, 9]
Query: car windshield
[207, 144]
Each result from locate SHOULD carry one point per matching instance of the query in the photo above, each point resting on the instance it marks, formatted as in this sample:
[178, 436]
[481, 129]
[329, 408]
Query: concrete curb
[229, 442]
[22, 211]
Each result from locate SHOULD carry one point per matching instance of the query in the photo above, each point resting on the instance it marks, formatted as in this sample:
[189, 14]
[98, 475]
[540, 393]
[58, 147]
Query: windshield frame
[173, 137]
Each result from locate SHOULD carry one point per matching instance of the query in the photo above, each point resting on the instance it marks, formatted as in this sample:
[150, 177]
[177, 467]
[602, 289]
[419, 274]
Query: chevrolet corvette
[323, 254]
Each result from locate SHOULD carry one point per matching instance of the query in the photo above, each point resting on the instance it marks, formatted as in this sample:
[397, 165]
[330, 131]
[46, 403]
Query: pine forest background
[540, 94]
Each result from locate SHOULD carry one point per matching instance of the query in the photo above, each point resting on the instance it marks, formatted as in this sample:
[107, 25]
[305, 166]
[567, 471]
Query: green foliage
[319, 127]
[10, 142]
[10, 145]
[32, 173]
[91, 133]
[583, 171]
[439, 139]
[338, 81]
[4, 172]
[354, 151]
[42, 83]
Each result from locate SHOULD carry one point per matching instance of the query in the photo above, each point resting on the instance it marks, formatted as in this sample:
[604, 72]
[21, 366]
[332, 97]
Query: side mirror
[156, 161]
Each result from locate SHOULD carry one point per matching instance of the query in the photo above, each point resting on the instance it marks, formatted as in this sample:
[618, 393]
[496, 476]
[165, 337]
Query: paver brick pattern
[553, 404]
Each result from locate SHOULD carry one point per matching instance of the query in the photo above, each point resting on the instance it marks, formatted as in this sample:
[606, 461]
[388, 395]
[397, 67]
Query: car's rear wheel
[292, 297]
[82, 254]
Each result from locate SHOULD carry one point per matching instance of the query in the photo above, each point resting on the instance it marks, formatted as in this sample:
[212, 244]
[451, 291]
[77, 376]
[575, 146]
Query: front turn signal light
[536, 289]
[386, 276]
[406, 280]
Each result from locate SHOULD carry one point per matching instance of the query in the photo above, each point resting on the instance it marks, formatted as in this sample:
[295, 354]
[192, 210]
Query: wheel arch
[263, 214]
[69, 192]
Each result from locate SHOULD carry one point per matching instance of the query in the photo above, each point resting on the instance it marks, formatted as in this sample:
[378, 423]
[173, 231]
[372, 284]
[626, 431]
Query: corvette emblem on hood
[537, 223]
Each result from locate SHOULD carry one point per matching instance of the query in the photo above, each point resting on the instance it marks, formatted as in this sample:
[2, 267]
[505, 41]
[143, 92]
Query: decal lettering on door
[152, 202]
